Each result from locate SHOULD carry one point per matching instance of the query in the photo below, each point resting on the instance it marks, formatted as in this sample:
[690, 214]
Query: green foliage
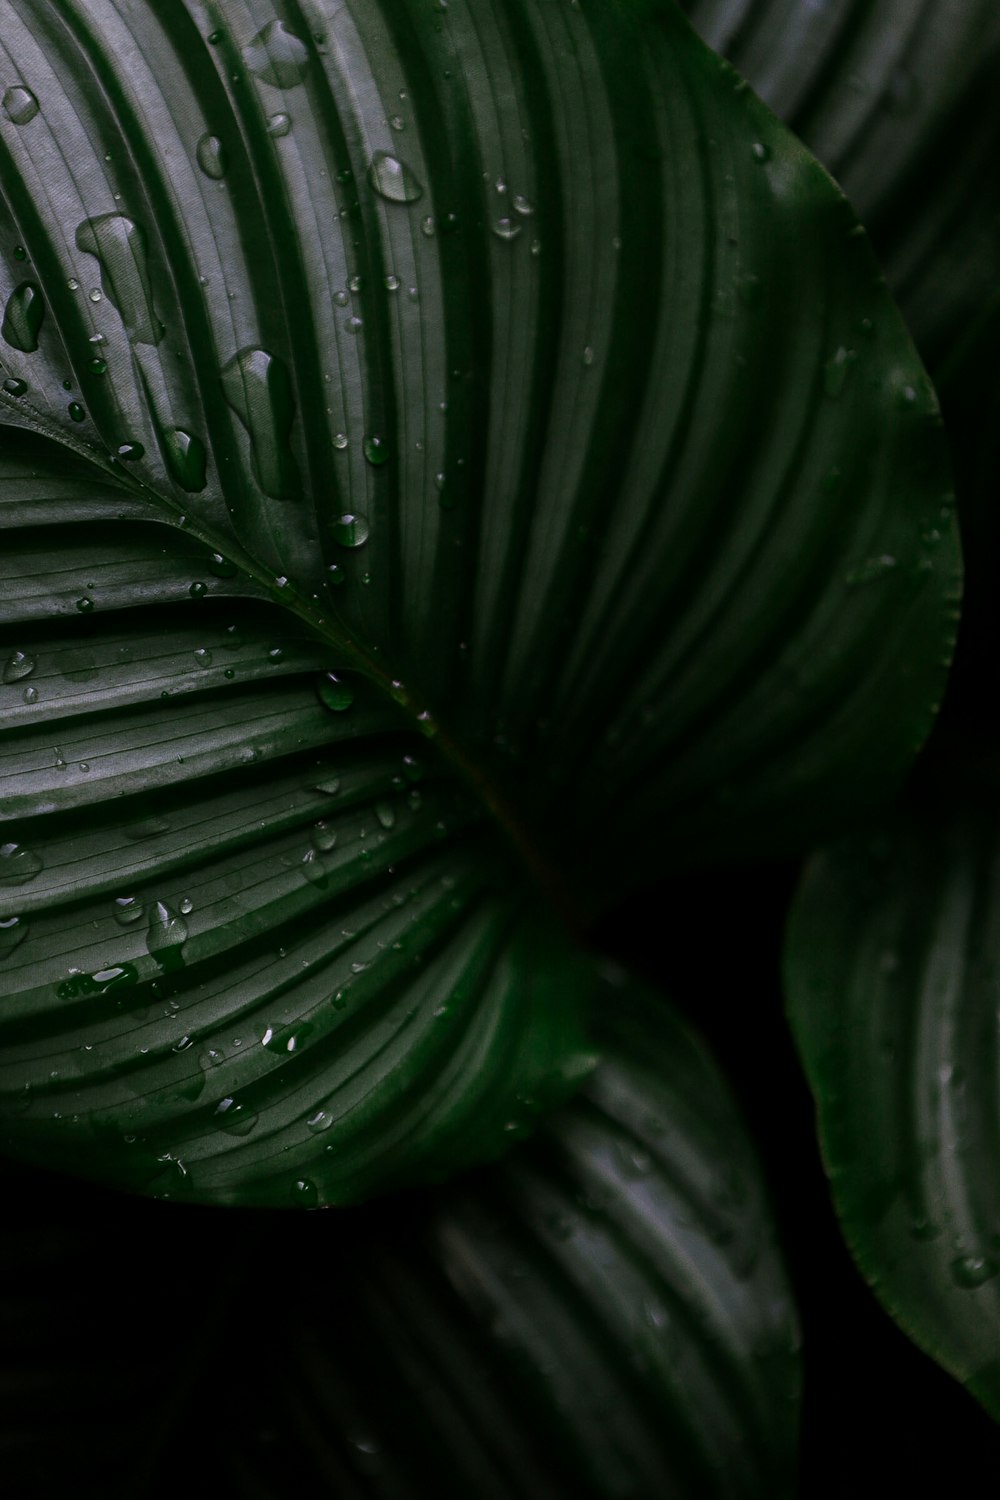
[461, 462]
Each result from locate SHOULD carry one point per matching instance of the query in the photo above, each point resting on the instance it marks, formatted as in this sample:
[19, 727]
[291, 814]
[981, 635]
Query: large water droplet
[15, 387]
[234, 1118]
[351, 530]
[128, 910]
[277, 56]
[304, 1193]
[18, 865]
[120, 247]
[166, 936]
[23, 315]
[19, 665]
[321, 1120]
[971, 1271]
[257, 387]
[211, 157]
[185, 458]
[13, 930]
[336, 694]
[19, 104]
[393, 179]
[376, 450]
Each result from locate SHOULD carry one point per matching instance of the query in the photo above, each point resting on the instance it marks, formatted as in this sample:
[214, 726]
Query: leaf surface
[891, 971]
[435, 441]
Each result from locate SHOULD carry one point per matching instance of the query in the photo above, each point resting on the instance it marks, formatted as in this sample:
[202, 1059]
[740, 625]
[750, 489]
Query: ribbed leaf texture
[455, 463]
[891, 966]
[603, 1314]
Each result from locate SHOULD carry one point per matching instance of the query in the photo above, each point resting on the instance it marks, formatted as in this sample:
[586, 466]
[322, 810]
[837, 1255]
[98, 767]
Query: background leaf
[891, 974]
[604, 1314]
[327, 257]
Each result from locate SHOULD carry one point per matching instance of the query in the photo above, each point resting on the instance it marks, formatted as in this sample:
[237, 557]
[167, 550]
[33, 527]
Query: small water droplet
[335, 693]
[13, 930]
[304, 1193]
[19, 104]
[321, 1120]
[97, 366]
[85, 605]
[323, 836]
[427, 225]
[19, 665]
[393, 180]
[523, 205]
[186, 458]
[198, 590]
[760, 152]
[836, 370]
[211, 157]
[376, 451]
[340, 440]
[351, 530]
[130, 453]
[128, 910]
[76, 411]
[971, 1271]
[277, 56]
[23, 317]
[15, 387]
[386, 814]
[505, 228]
[165, 937]
[392, 283]
[18, 865]
[313, 869]
[234, 1118]
[279, 124]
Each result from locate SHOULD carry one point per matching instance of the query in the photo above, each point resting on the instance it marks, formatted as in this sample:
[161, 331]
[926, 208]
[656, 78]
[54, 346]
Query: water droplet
[350, 530]
[23, 316]
[97, 366]
[427, 225]
[279, 125]
[836, 371]
[198, 590]
[146, 828]
[760, 152]
[304, 1193]
[185, 906]
[323, 836]
[85, 605]
[523, 206]
[19, 104]
[19, 665]
[376, 451]
[182, 1044]
[392, 283]
[257, 386]
[211, 157]
[120, 247]
[165, 937]
[13, 930]
[76, 411]
[185, 458]
[319, 1121]
[336, 694]
[30, 695]
[15, 387]
[386, 814]
[393, 179]
[234, 1118]
[130, 453]
[221, 567]
[506, 229]
[18, 865]
[128, 910]
[971, 1271]
[340, 440]
[277, 56]
[313, 869]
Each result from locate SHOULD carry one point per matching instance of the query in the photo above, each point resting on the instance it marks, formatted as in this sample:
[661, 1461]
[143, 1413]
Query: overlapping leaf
[434, 438]
[892, 970]
[899, 101]
[602, 1314]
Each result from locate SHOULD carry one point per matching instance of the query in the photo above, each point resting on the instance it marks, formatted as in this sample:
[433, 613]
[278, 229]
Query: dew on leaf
[128, 910]
[15, 387]
[165, 936]
[130, 453]
[972, 1271]
[120, 248]
[350, 530]
[335, 693]
[232, 1117]
[18, 865]
[277, 56]
[211, 157]
[13, 930]
[19, 104]
[376, 451]
[257, 386]
[23, 317]
[19, 665]
[279, 124]
[392, 179]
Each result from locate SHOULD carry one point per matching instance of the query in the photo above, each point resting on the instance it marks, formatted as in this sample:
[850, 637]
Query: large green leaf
[899, 101]
[892, 964]
[603, 1314]
[438, 442]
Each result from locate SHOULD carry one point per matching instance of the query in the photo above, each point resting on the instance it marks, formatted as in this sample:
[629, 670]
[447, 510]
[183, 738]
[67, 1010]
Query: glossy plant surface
[457, 463]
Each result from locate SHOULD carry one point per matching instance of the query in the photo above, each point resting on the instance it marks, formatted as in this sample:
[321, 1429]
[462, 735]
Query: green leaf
[899, 102]
[500, 397]
[891, 965]
[602, 1314]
